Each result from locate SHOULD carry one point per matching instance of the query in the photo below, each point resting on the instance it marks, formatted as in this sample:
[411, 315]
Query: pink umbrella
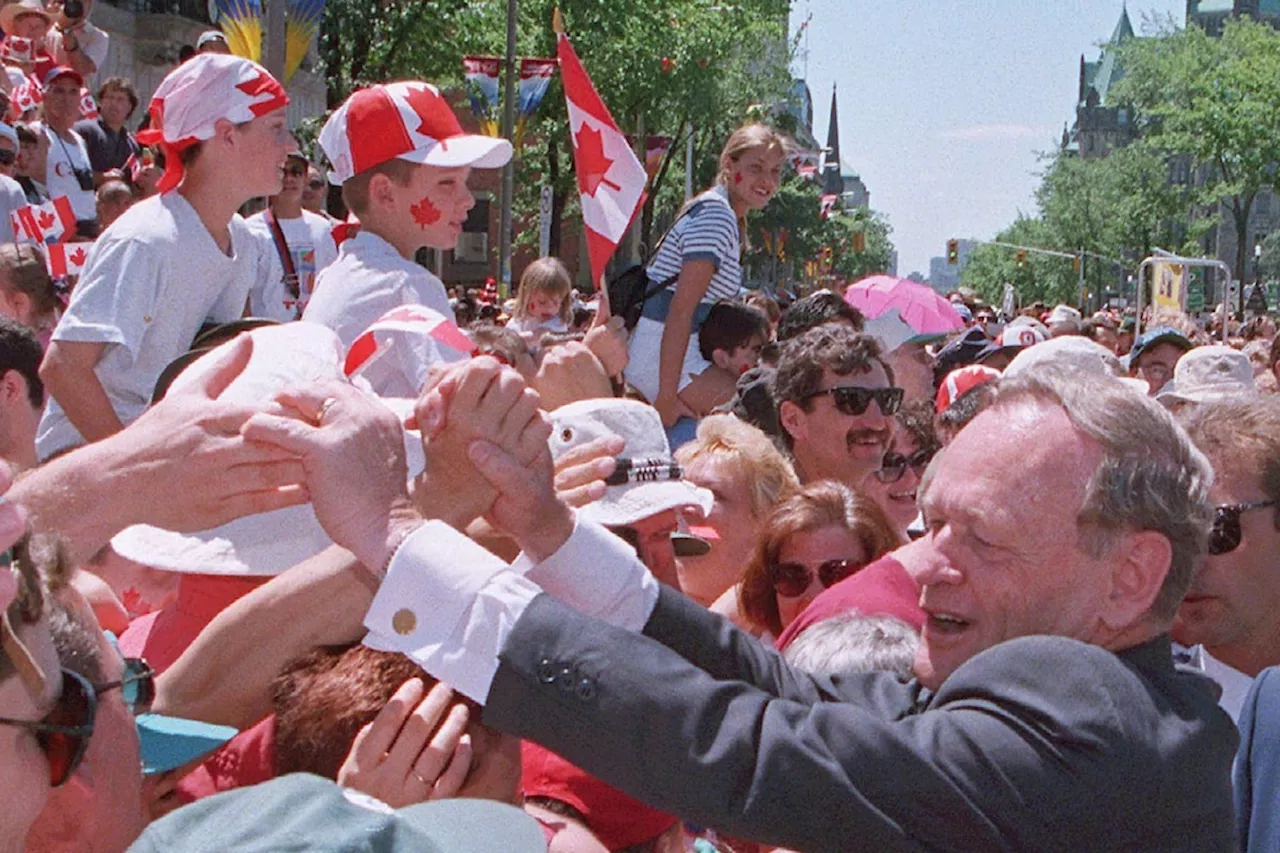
[920, 306]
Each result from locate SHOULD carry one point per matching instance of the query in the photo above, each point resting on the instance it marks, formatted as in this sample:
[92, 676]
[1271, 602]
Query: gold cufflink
[404, 622]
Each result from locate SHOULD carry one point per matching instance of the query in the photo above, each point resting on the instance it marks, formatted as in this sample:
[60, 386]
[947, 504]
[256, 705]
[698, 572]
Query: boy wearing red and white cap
[403, 162]
[174, 261]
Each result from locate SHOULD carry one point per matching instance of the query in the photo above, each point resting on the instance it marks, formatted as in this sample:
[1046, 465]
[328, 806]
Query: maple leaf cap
[408, 120]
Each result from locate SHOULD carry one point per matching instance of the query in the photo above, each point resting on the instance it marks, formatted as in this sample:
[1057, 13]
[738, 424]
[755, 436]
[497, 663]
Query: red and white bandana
[200, 92]
[409, 120]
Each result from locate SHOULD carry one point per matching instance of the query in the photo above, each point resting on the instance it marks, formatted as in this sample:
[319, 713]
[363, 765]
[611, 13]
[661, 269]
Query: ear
[793, 420]
[720, 359]
[1140, 563]
[12, 385]
[224, 133]
[382, 192]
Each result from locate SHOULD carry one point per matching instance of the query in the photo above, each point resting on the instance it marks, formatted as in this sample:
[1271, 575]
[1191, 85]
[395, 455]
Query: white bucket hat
[264, 544]
[1076, 353]
[648, 480]
[1209, 373]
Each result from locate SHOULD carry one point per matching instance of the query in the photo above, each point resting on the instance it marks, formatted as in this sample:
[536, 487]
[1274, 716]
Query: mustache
[857, 435]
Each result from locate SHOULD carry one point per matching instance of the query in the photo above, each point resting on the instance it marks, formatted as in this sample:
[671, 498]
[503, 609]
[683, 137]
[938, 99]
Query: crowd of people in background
[308, 546]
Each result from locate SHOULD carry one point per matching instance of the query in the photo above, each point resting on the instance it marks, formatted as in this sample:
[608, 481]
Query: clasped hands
[485, 442]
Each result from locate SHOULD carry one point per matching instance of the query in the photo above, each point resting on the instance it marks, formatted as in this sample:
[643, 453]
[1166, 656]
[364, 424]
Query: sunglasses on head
[64, 732]
[792, 579]
[1225, 534]
[894, 465]
[854, 401]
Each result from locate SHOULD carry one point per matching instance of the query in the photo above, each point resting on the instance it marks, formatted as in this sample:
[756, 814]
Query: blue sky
[945, 103]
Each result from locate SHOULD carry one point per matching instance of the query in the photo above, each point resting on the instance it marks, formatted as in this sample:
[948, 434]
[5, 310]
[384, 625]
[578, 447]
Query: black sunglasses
[295, 171]
[854, 401]
[894, 465]
[137, 686]
[64, 732]
[1225, 534]
[7, 157]
[792, 579]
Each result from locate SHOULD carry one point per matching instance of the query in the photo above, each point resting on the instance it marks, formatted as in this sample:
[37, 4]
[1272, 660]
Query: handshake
[485, 442]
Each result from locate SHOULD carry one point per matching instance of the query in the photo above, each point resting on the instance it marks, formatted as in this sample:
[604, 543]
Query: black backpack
[631, 288]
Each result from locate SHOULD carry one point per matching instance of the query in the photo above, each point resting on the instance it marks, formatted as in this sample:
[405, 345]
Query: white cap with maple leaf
[409, 120]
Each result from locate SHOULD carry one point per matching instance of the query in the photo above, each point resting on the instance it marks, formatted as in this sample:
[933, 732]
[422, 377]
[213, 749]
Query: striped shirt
[707, 233]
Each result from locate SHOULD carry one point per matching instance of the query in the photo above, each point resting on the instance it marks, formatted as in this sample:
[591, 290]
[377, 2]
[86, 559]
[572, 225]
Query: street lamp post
[509, 170]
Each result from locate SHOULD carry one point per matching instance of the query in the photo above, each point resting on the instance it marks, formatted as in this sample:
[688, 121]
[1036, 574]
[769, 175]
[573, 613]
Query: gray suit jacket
[1040, 744]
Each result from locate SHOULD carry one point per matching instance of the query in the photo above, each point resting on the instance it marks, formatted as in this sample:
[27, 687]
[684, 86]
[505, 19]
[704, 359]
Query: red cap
[960, 380]
[161, 637]
[617, 820]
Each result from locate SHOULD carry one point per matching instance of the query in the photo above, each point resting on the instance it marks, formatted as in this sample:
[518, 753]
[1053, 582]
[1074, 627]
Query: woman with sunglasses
[914, 444]
[819, 536]
[45, 715]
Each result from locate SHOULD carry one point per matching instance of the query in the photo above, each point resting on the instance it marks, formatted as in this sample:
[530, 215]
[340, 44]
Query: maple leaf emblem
[425, 102]
[424, 213]
[593, 163]
[263, 83]
[78, 256]
[45, 220]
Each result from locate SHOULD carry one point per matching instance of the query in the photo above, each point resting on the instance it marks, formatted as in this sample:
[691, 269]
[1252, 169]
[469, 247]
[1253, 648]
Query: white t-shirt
[311, 247]
[152, 279]
[369, 279]
[60, 178]
[93, 44]
[12, 197]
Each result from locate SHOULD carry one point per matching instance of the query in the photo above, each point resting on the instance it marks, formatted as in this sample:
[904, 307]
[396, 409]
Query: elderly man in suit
[1047, 714]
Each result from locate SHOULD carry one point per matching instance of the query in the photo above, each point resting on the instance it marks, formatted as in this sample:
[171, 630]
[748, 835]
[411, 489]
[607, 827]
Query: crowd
[306, 550]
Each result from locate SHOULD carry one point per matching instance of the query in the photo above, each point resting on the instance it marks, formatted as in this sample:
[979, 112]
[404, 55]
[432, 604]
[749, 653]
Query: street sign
[1195, 296]
[1008, 303]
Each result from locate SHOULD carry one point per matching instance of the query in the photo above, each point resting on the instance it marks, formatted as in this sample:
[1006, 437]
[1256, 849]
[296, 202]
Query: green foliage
[1045, 279]
[1215, 101]
[793, 222]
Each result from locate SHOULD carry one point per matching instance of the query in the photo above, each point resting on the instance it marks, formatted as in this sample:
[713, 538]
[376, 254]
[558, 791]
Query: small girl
[543, 304]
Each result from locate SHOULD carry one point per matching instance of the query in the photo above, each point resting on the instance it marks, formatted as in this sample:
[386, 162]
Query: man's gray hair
[1151, 476]
[851, 644]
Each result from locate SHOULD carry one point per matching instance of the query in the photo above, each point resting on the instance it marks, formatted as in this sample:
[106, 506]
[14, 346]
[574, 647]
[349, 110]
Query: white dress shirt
[449, 604]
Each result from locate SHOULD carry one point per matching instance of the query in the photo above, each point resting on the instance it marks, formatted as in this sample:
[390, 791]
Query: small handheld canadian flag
[44, 223]
[27, 96]
[88, 106]
[66, 259]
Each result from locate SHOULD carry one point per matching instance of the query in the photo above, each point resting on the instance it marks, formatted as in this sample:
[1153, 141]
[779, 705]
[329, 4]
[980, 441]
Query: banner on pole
[1169, 285]
[535, 78]
[482, 88]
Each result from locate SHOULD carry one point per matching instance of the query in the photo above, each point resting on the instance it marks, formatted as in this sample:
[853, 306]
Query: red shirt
[884, 588]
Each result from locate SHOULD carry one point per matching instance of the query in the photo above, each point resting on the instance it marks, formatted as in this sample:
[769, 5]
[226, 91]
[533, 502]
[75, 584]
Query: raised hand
[580, 473]
[416, 749]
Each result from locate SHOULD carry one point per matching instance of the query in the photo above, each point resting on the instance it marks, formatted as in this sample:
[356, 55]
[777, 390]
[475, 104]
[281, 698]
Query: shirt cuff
[449, 605]
[597, 574]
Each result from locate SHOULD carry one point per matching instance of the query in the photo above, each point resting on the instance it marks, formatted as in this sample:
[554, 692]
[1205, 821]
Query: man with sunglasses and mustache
[1228, 618]
[297, 243]
[836, 400]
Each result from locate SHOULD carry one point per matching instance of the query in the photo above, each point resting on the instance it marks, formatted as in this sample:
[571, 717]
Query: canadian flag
[611, 178]
[28, 96]
[44, 223]
[66, 259]
[88, 106]
[828, 203]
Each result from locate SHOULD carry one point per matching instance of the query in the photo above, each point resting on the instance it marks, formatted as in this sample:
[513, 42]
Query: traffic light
[1020, 259]
[859, 241]
[953, 251]
[1075, 264]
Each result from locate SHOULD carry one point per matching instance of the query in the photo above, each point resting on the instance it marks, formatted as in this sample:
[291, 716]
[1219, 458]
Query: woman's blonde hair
[748, 138]
[754, 457]
[545, 275]
[824, 503]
